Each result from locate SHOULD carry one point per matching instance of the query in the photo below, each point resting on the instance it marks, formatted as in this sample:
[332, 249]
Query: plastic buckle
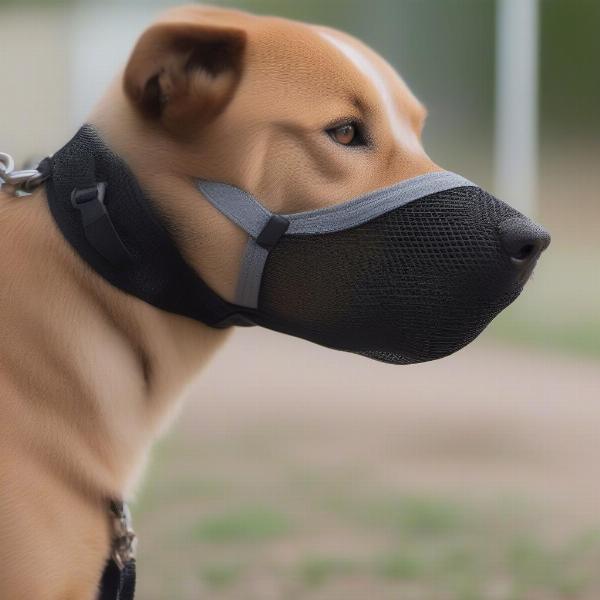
[90, 202]
[271, 233]
[98, 227]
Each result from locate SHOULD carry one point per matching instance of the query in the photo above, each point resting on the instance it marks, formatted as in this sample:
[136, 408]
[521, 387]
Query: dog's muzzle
[408, 273]
[405, 274]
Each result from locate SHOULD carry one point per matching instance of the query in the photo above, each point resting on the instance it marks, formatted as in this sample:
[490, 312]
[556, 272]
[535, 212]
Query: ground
[296, 472]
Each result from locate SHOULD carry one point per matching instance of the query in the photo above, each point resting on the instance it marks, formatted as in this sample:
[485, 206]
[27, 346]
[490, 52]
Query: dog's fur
[90, 375]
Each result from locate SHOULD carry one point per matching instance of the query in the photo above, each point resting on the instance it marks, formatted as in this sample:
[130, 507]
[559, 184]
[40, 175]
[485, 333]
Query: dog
[90, 375]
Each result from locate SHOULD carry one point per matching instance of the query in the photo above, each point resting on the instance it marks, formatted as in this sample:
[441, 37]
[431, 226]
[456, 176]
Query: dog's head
[303, 117]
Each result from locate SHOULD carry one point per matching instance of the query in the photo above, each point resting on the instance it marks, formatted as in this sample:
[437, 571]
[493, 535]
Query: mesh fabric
[412, 285]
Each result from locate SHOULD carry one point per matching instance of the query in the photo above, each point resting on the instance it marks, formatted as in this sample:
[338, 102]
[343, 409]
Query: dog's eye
[344, 134]
[347, 134]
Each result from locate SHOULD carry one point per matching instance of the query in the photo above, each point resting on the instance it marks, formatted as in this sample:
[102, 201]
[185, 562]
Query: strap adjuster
[98, 227]
[90, 201]
[271, 233]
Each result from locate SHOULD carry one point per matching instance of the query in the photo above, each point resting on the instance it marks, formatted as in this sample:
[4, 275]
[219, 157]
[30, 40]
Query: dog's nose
[523, 240]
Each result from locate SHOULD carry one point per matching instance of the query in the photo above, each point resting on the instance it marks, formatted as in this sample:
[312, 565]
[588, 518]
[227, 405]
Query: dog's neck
[165, 167]
[108, 366]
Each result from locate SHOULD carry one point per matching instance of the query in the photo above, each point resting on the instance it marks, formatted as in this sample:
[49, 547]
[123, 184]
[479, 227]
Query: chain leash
[24, 181]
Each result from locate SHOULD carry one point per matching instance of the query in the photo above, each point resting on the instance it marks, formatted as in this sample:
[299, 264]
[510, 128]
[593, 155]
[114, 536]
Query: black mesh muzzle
[412, 285]
[405, 273]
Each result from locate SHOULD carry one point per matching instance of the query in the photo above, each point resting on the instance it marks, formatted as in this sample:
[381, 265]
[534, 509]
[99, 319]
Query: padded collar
[103, 213]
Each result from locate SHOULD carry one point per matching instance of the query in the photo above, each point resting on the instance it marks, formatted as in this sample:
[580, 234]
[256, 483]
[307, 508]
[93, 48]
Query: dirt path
[281, 423]
[492, 414]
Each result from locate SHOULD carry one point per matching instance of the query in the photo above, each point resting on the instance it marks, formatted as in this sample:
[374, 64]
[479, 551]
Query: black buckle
[271, 233]
[98, 227]
[90, 202]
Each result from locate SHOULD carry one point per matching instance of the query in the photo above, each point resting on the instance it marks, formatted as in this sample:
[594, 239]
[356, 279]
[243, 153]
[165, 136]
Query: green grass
[318, 570]
[420, 516]
[464, 565]
[221, 576]
[249, 524]
[400, 566]
[442, 546]
[406, 516]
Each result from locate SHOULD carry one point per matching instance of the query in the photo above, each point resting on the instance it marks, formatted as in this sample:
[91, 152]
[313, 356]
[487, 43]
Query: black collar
[104, 214]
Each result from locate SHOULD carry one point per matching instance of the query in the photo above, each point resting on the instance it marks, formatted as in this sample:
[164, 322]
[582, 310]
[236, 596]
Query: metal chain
[19, 181]
[124, 539]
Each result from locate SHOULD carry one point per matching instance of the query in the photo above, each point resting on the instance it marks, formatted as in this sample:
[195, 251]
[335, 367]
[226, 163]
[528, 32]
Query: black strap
[105, 215]
[276, 226]
[118, 584]
[98, 226]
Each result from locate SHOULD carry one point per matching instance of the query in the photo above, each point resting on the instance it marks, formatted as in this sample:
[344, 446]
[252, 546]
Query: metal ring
[7, 164]
[34, 181]
[20, 177]
[20, 181]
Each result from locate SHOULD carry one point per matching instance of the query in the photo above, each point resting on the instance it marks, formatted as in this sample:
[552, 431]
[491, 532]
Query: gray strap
[374, 204]
[238, 206]
[251, 270]
[249, 214]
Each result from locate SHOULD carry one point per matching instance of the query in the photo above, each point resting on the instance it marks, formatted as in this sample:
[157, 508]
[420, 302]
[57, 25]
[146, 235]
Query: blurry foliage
[458, 56]
[570, 86]
[36, 2]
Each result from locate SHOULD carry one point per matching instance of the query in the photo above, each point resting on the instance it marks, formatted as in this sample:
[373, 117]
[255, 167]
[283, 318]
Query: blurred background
[475, 477]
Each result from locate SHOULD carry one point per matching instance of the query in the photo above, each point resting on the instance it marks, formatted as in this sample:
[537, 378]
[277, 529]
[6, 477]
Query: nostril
[525, 252]
[522, 239]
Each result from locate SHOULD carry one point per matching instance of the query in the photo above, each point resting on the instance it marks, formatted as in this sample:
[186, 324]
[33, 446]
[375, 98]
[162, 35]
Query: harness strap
[118, 579]
[98, 227]
[118, 584]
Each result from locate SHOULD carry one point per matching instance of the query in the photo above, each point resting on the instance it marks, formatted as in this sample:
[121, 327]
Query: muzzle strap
[249, 214]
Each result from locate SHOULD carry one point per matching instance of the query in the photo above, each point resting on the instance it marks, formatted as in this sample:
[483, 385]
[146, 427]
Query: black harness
[117, 583]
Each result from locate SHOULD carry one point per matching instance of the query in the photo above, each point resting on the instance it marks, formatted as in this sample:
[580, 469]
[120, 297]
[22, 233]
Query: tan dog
[90, 375]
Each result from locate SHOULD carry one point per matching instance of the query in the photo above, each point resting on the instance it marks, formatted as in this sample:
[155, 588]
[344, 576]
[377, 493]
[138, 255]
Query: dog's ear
[184, 73]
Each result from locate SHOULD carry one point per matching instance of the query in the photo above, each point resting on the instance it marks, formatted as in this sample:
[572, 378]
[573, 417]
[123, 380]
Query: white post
[516, 160]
